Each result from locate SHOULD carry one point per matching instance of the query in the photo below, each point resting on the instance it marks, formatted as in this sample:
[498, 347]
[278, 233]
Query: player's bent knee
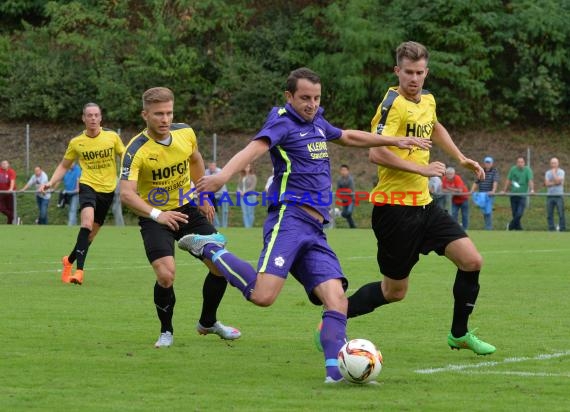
[473, 263]
[395, 296]
[263, 301]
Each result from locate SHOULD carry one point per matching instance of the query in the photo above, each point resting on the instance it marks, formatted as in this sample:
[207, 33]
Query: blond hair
[157, 95]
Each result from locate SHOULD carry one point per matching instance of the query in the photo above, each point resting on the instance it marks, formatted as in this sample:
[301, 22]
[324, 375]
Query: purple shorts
[294, 241]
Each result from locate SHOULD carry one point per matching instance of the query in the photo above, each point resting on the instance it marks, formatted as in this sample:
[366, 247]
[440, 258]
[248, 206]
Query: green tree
[537, 46]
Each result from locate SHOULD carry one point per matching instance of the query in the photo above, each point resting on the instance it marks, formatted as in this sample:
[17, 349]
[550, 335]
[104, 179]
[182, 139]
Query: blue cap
[488, 159]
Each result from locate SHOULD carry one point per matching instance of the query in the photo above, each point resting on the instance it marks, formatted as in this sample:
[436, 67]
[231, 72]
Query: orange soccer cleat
[77, 278]
[66, 271]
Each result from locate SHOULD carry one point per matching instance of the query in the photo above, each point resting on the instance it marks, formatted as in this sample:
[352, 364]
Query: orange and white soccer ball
[359, 361]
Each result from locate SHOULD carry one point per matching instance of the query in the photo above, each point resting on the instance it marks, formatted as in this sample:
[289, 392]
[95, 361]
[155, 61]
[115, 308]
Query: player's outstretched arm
[442, 138]
[384, 157]
[237, 163]
[359, 138]
[58, 174]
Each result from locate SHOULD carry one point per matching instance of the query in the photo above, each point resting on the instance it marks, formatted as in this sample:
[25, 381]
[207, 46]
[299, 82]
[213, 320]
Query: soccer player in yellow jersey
[405, 220]
[157, 169]
[96, 150]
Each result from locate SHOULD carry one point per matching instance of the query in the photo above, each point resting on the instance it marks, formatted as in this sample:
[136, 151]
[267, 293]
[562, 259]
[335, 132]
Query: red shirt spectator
[7, 182]
[453, 183]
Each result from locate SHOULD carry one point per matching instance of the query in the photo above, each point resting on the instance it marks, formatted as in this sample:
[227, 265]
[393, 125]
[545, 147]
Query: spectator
[246, 185]
[39, 178]
[345, 184]
[519, 180]
[452, 183]
[221, 205]
[484, 191]
[434, 186]
[554, 182]
[8, 183]
[70, 194]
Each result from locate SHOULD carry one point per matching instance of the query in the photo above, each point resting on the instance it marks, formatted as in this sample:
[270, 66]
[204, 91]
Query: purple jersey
[300, 157]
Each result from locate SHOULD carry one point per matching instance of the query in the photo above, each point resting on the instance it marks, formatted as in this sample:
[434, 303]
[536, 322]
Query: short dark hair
[346, 166]
[301, 73]
[91, 104]
[411, 50]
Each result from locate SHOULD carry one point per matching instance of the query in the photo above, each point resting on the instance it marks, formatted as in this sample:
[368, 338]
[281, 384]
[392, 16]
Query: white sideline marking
[531, 374]
[500, 252]
[57, 267]
[460, 368]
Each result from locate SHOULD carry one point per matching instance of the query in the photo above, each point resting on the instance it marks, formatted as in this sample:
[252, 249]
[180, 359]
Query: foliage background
[498, 62]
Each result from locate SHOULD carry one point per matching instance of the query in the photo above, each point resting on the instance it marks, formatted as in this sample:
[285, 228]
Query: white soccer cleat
[331, 381]
[194, 243]
[165, 340]
[224, 332]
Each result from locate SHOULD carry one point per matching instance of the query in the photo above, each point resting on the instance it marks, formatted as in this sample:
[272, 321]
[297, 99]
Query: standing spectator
[221, 205]
[452, 183]
[554, 182]
[38, 179]
[8, 183]
[345, 185]
[71, 193]
[246, 185]
[519, 180]
[484, 191]
[435, 190]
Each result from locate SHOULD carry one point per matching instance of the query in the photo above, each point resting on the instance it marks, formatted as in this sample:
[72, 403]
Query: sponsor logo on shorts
[279, 261]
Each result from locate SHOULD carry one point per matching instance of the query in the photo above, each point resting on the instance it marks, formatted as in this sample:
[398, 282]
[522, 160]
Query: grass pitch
[90, 347]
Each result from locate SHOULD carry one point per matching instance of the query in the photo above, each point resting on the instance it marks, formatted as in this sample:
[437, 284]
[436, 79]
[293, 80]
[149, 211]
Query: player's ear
[143, 114]
[288, 95]
[397, 70]
[427, 71]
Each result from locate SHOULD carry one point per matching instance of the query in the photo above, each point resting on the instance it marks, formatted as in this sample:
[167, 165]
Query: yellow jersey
[162, 171]
[97, 157]
[398, 116]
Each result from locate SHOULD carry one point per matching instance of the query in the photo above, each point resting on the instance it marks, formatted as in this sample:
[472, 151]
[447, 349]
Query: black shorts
[99, 201]
[403, 232]
[159, 239]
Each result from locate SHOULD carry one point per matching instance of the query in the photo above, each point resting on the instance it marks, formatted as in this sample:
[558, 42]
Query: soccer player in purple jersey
[296, 136]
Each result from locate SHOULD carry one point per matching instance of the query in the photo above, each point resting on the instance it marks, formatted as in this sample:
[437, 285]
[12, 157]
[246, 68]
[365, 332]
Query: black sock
[164, 300]
[465, 291]
[212, 293]
[81, 247]
[366, 299]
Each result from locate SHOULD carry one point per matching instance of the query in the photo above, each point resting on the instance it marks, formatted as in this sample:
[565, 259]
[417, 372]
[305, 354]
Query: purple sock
[333, 336]
[237, 272]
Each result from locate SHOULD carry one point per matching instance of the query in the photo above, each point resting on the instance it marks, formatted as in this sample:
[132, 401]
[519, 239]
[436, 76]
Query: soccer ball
[359, 361]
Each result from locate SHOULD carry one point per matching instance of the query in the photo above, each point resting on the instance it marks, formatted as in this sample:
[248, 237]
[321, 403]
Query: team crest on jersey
[279, 261]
